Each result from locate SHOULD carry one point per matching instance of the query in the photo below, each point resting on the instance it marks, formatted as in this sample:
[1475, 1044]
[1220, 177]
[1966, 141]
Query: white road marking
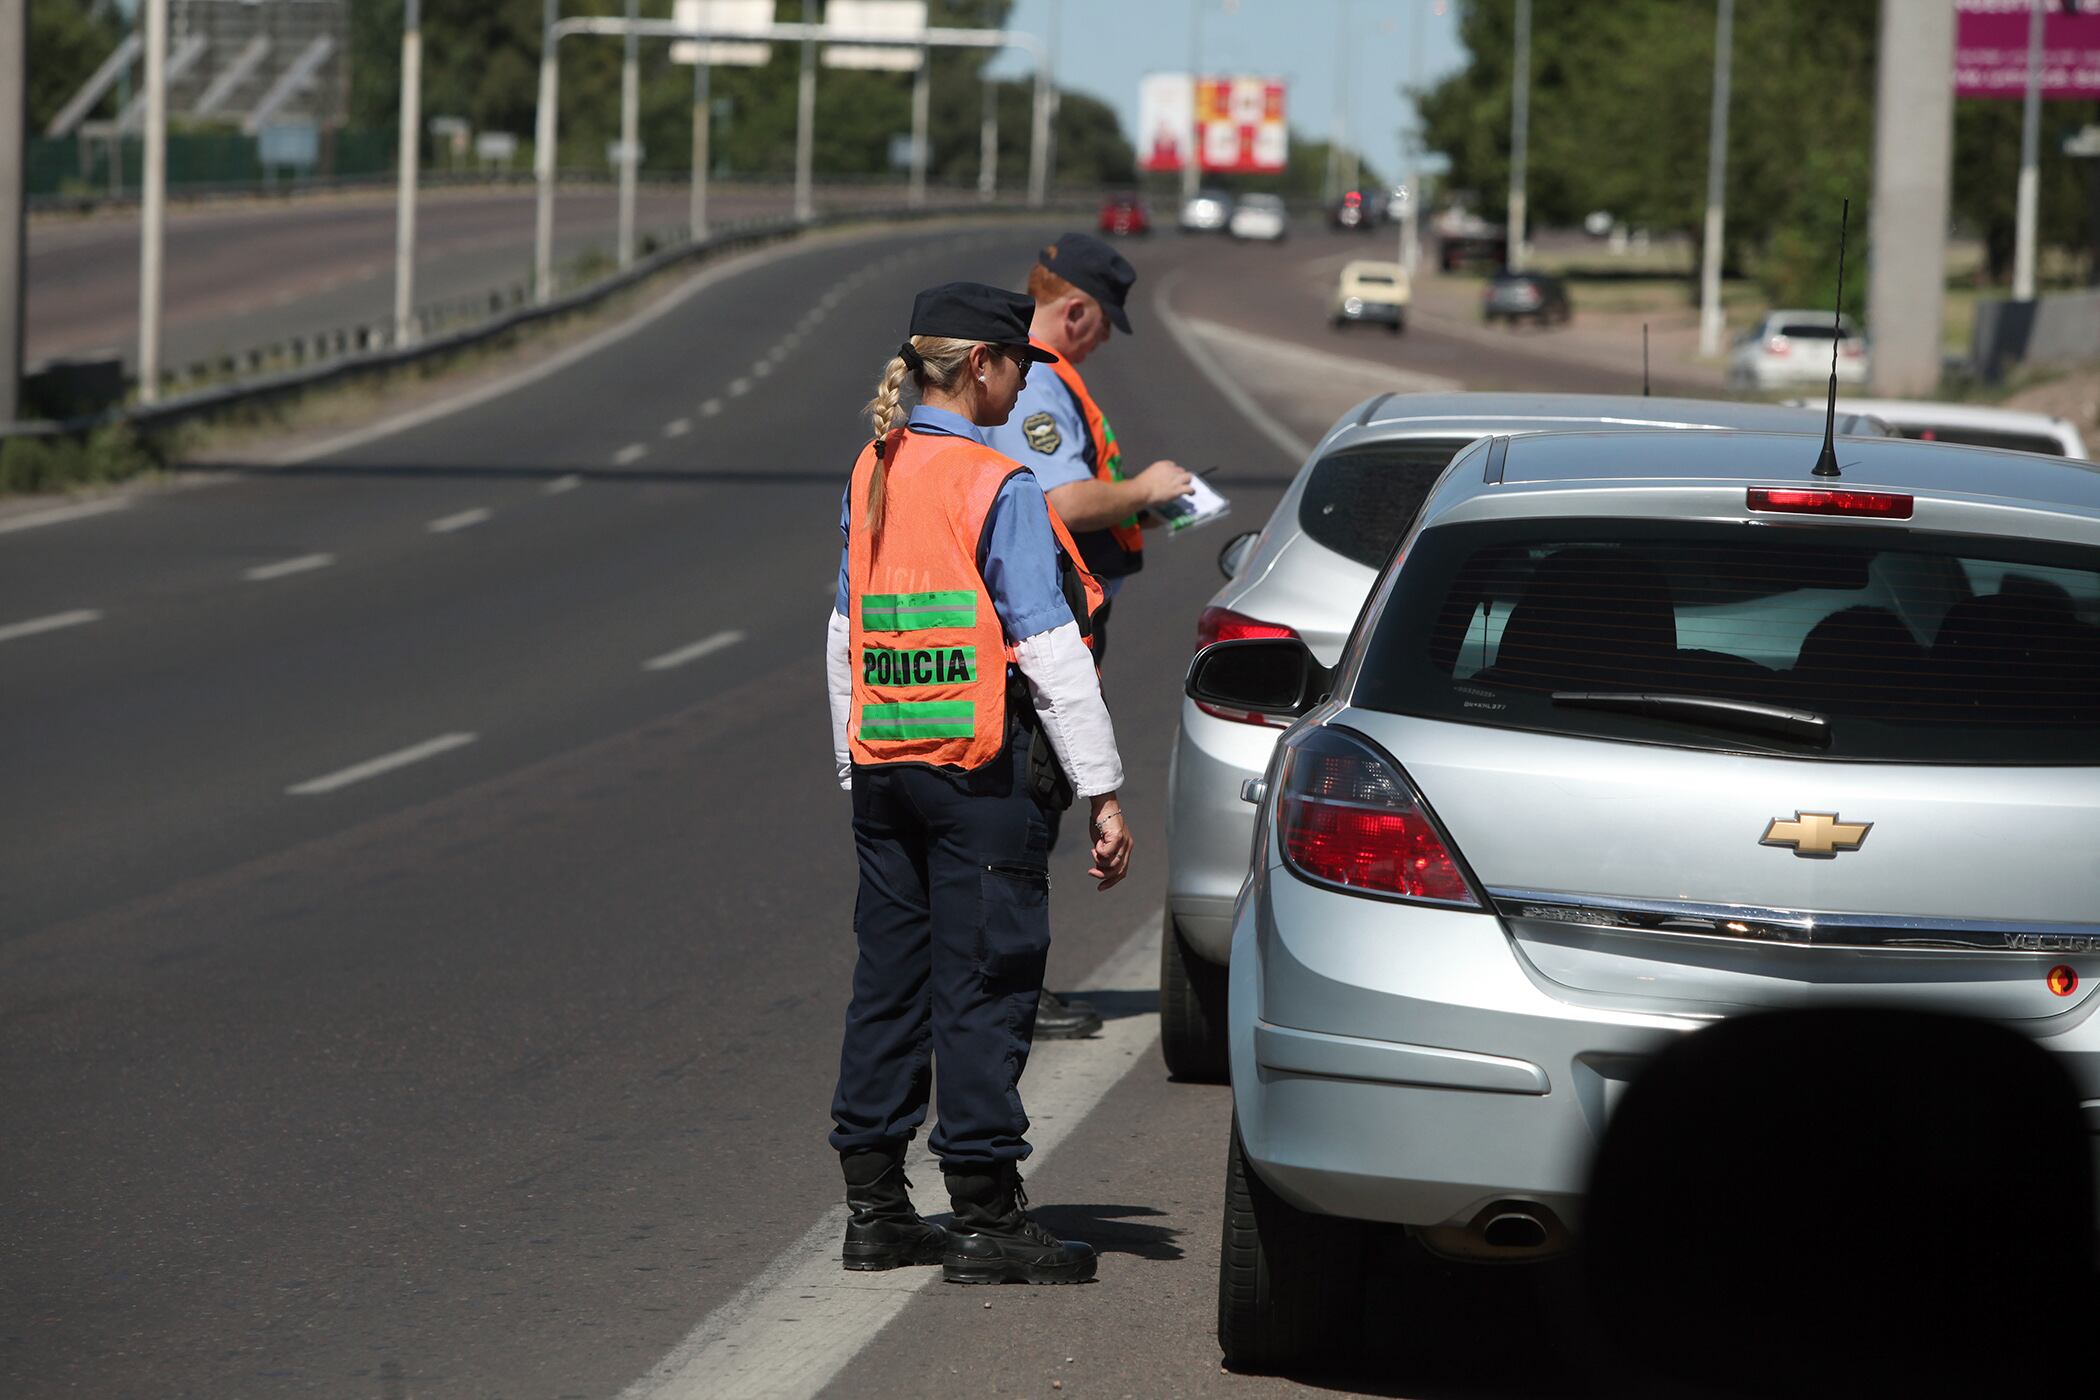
[285, 568]
[761, 369]
[678, 427]
[385, 763]
[794, 1328]
[34, 625]
[710, 408]
[739, 387]
[630, 454]
[59, 515]
[707, 646]
[562, 484]
[1294, 447]
[445, 525]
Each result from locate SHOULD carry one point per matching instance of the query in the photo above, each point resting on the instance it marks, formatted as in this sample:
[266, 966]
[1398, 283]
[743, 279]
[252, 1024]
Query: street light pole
[988, 142]
[411, 150]
[153, 199]
[703, 82]
[543, 158]
[1710, 320]
[2026, 209]
[921, 108]
[1411, 216]
[1519, 136]
[14, 128]
[806, 115]
[630, 130]
[1341, 101]
[1192, 159]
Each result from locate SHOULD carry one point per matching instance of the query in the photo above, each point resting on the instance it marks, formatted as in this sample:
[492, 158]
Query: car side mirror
[1237, 551]
[1259, 676]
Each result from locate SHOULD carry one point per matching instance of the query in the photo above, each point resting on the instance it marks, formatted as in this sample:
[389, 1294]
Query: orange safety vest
[929, 654]
[1118, 550]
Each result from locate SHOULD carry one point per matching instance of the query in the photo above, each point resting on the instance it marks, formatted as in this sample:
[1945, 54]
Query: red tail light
[1852, 349]
[1777, 345]
[1346, 816]
[1880, 505]
[1225, 625]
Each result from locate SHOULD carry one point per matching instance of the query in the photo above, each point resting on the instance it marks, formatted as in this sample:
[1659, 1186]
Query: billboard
[1990, 49]
[875, 19]
[1238, 124]
[727, 16]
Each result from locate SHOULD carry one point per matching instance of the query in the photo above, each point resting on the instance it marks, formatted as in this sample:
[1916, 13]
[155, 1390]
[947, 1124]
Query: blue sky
[1105, 46]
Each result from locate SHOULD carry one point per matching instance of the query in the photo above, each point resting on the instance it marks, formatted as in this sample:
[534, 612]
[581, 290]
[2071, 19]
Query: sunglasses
[1021, 358]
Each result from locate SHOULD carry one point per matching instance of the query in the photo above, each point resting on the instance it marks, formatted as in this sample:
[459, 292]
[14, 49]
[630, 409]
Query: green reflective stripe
[886, 666]
[916, 612]
[919, 719]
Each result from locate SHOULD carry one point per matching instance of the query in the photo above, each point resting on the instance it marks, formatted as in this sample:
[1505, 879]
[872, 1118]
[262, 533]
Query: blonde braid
[883, 411]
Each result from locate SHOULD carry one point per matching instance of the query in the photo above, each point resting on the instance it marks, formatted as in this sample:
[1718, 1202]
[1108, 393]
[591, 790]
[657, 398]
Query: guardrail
[349, 353]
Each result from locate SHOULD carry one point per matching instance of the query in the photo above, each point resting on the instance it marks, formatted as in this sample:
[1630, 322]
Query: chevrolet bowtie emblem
[1819, 835]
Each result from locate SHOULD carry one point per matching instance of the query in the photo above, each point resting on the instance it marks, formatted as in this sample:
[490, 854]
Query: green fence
[91, 166]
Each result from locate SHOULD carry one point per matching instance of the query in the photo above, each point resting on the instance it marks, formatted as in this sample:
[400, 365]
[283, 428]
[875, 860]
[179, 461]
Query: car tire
[1393, 328]
[1191, 1012]
[1289, 1282]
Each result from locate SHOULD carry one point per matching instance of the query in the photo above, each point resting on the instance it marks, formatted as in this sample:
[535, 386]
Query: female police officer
[955, 576]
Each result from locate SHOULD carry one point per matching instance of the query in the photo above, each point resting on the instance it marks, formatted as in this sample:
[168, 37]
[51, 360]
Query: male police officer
[1059, 432]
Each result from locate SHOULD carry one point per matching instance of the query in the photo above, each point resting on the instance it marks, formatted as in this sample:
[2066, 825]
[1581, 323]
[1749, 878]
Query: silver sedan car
[1306, 575]
[1640, 730]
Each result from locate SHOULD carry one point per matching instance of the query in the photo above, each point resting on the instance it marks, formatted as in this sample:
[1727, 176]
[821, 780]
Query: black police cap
[1096, 269]
[973, 311]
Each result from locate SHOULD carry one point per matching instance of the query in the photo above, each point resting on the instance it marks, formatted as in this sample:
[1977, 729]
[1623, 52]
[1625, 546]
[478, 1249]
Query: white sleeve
[1068, 705]
[838, 679]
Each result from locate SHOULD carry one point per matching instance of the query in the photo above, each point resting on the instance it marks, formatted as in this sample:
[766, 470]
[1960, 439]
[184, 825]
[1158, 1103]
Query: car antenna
[1827, 464]
[1644, 360]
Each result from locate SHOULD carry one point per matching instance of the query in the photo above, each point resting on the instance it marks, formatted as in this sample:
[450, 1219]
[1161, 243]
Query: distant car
[1793, 347]
[1125, 214]
[1306, 576]
[1516, 296]
[1972, 425]
[1206, 211]
[1261, 218]
[1374, 292]
[1471, 242]
[1598, 223]
[1354, 210]
[1396, 204]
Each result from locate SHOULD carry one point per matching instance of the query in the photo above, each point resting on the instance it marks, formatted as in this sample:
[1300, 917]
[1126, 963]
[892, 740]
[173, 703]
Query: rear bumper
[1382, 313]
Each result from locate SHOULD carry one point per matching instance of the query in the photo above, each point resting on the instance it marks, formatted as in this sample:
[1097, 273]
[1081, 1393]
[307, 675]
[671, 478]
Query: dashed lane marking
[562, 484]
[739, 387]
[710, 408]
[385, 763]
[285, 568]
[706, 646]
[795, 1327]
[59, 515]
[630, 454]
[761, 369]
[78, 617]
[678, 427]
[466, 519]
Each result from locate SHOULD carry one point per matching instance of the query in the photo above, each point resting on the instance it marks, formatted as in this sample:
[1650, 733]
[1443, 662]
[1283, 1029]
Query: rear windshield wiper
[1804, 725]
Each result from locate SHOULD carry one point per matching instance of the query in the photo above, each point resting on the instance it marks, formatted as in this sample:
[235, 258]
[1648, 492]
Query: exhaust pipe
[1506, 1232]
[1515, 1229]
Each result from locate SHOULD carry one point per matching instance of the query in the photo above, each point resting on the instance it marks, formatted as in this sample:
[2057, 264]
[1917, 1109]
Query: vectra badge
[1817, 835]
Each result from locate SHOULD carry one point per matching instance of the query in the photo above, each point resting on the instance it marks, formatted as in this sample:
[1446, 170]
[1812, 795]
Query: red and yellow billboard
[1239, 120]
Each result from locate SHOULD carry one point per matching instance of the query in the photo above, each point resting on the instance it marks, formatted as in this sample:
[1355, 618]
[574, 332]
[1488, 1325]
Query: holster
[1047, 782]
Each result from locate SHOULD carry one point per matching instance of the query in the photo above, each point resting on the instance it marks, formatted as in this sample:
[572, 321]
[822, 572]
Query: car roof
[1983, 489]
[1455, 414]
[1357, 266]
[1814, 313]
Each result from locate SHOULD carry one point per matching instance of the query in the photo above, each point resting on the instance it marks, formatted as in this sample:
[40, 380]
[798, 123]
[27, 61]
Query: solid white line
[385, 763]
[48, 624]
[630, 454]
[59, 515]
[562, 484]
[1294, 447]
[678, 427]
[739, 387]
[461, 521]
[794, 1328]
[285, 568]
[710, 408]
[707, 646]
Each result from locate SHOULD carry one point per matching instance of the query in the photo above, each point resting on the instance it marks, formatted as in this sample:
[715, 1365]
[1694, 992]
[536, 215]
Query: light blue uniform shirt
[1047, 434]
[1019, 552]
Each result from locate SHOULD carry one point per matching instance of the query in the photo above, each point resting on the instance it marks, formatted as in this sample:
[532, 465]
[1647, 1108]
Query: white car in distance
[1971, 425]
[1789, 348]
[1260, 218]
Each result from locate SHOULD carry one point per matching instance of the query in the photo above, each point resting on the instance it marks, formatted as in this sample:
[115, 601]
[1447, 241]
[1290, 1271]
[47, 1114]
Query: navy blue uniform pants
[953, 924]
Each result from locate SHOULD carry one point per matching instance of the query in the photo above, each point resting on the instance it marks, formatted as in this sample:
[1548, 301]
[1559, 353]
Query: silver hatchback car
[1306, 575]
[1641, 730]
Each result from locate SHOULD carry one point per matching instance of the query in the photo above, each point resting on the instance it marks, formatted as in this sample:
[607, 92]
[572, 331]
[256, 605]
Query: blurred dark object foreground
[1843, 1203]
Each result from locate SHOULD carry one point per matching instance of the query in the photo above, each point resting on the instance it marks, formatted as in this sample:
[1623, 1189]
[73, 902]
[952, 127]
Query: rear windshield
[1359, 502]
[1374, 279]
[1984, 437]
[1907, 646]
[1821, 330]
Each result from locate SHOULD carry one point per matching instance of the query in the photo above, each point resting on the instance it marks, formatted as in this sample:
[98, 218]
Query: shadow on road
[1111, 1229]
[1121, 1005]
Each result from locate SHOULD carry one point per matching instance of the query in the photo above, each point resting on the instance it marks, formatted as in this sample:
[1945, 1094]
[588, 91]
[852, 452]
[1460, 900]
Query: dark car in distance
[1514, 296]
[1125, 214]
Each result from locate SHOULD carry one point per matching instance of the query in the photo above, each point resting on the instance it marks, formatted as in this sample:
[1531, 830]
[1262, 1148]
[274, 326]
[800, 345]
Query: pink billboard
[1990, 48]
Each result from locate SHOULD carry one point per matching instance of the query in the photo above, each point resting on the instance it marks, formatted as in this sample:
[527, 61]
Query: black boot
[994, 1241]
[1058, 1019]
[884, 1231]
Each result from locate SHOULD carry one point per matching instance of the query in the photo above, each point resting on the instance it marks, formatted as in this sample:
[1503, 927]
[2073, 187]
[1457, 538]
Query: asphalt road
[427, 926]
